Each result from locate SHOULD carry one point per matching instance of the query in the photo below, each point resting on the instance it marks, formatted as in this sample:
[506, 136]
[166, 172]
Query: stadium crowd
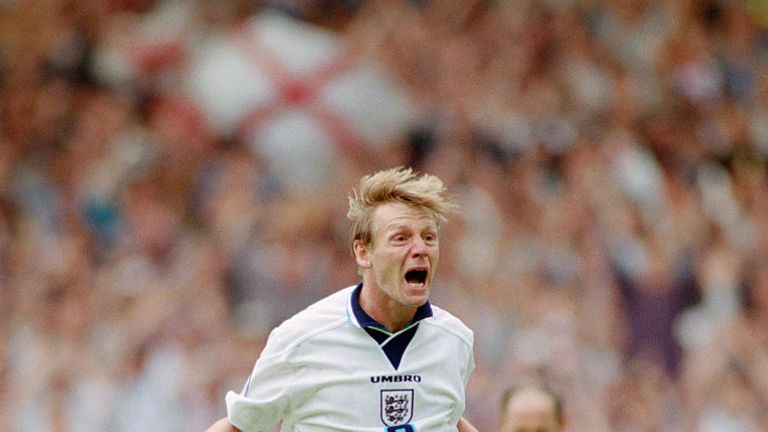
[609, 156]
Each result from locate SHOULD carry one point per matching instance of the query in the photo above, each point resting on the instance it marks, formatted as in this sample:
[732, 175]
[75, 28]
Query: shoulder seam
[303, 338]
[468, 341]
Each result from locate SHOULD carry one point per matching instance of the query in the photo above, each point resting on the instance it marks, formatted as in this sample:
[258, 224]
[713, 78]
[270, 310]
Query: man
[531, 408]
[376, 356]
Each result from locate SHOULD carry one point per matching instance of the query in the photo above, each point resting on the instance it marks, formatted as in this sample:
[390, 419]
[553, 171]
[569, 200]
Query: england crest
[396, 406]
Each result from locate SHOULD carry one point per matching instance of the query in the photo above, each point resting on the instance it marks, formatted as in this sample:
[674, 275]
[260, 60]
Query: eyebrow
[399, 226]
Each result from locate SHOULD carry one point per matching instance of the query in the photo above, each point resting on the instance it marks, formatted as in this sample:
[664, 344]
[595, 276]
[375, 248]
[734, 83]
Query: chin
[416, 299]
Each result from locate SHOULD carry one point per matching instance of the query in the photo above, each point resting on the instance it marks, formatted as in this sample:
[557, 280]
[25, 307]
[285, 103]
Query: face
[402, 256]
[530, 411]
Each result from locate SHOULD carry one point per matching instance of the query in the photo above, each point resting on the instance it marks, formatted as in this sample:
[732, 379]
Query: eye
[399, 238]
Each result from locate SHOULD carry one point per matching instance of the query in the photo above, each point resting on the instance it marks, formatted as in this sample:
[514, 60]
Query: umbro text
[395, 378]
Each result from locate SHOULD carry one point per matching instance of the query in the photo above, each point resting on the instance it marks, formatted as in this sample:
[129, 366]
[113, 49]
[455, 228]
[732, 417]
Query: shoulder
[324, 315]
[448, 323]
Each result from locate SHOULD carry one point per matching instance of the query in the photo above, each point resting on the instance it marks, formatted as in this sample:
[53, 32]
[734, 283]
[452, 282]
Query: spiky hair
[400, 184]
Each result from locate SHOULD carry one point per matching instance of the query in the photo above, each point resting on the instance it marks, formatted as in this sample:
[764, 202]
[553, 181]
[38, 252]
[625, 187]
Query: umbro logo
[395, 378]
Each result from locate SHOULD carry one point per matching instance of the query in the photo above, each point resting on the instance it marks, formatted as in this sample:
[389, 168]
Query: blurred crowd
[609, 157]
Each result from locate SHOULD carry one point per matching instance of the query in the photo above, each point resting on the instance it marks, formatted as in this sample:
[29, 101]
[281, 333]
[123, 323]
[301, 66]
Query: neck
[393, 315]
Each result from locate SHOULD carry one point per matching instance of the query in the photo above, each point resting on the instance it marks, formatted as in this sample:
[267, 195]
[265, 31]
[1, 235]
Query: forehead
[395, 214]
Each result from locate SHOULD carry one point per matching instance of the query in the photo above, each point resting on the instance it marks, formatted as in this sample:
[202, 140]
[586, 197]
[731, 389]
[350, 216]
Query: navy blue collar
[364, 320]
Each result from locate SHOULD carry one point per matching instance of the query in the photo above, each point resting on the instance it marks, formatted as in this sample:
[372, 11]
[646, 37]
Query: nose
[419, 247]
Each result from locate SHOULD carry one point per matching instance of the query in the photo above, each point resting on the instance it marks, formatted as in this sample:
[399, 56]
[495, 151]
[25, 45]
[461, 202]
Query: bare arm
[465, 426]
[223, 425]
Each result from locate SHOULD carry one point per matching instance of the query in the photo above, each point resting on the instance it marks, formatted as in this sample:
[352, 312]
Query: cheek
[394, 255]
[388, 261]
[435, 253]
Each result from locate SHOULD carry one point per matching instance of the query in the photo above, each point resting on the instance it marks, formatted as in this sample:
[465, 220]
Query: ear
[361, 255]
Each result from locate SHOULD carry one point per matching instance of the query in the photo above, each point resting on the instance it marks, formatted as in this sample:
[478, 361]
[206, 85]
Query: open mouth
[417, 276]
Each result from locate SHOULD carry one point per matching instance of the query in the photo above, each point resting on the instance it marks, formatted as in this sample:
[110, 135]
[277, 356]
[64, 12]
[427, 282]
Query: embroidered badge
[396, 406]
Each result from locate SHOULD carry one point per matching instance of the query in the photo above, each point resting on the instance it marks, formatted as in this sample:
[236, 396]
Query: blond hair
[399, 184]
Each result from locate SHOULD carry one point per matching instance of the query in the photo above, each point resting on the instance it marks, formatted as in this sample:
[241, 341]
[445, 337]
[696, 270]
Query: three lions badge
[397, 409]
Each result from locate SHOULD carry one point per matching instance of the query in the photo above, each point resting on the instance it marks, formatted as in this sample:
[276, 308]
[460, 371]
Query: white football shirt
[331, 367]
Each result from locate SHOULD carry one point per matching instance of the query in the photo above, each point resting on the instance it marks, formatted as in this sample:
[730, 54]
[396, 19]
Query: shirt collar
[361, 319]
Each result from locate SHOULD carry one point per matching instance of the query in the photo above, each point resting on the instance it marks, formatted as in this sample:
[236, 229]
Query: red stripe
[298, 92]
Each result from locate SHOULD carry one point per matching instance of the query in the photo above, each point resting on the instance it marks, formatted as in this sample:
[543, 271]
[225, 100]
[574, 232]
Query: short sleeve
[470, 360]
[265, 398]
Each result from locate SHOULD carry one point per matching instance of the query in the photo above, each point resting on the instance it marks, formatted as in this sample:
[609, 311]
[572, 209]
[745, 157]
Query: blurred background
[173, 180]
